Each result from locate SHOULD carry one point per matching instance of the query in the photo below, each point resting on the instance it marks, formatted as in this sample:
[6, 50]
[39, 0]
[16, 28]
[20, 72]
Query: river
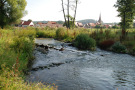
[73, 69]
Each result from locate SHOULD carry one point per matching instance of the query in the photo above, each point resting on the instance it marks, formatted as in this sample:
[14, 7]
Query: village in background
[87, 23]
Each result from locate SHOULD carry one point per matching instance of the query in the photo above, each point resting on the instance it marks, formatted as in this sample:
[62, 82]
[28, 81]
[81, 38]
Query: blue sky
[39, 10]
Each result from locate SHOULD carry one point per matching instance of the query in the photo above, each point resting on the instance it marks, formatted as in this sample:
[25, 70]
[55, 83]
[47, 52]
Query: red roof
[50, 22]
[26, 23]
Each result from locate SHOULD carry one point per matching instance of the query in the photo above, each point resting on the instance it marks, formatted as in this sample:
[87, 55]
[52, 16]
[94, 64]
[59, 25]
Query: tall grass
[16, 48]
[9, 80]
[100, 35]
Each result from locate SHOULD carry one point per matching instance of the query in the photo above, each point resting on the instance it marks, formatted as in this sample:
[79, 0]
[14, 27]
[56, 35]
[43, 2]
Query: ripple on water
[84, 70]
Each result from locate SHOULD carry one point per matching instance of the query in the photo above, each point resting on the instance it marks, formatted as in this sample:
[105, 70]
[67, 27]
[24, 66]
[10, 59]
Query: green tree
[97, 26]
[71, 22]
[11, 11]
[126, 9]
[69, 4]
[30, 20]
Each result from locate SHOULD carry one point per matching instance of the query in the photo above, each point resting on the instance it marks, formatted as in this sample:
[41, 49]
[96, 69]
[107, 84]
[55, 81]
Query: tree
[11, 11]
[71, 22]
[30, 20]
[97, 26]
[126, 9]
[70, 4]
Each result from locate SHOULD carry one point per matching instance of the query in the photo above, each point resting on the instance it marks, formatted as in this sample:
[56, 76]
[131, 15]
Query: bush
[23, 44]
[129, 44]
[60, 33]
[40, 34]
[83, 41]
[106, 44]
[118, 47]
[133, 51]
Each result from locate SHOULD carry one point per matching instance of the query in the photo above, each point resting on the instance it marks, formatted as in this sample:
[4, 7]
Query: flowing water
[73, 69]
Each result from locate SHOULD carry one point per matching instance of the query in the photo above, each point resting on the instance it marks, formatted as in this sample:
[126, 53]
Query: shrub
[129, 44]
[118, 47]
[23, 44]
[133, 51]
[60, 33]
[83, 41]
[106, 44]
[40, 34]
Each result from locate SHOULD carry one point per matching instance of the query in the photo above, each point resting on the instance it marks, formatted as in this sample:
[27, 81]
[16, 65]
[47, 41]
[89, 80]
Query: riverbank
[106, 39]
[16, 55]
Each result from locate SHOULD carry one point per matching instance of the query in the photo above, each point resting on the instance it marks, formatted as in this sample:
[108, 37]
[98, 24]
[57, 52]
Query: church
[92, 25]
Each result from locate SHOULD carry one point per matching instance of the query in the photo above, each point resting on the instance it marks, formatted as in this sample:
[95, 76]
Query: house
[106, 26]
[49, 24]
[27, 23]
[77, 24]
[92, 25]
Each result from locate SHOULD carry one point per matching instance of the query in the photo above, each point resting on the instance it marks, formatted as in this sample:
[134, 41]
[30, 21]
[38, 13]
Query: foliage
[115, 27]
[129, 44]
[133, 50]
[126, 9]
[15, 49]
[45, 33]
[11, 11]
[60, 33]
[69, 20]
[9, 80]
[97, 26]
[18, 45]
[23, 44]
[106, 44]
[40, 34]
[71, 23]
[83, 41]
[118, 47]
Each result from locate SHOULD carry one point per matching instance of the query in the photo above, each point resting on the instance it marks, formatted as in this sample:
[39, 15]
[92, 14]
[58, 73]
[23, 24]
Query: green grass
[16, 48]
[100, 35]
[9, 80]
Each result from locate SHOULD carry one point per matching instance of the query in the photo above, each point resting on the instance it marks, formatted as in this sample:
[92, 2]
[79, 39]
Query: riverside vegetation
[107, 39]
[16, 49]
[17, 44]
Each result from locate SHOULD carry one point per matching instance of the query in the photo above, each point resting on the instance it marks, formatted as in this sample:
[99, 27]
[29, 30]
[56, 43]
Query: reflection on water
[83, 70]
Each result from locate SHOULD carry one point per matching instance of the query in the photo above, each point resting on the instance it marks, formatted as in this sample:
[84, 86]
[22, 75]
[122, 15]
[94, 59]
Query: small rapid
[73, 69]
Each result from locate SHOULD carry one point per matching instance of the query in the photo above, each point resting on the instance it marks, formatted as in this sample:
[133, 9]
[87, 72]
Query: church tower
[100, 21]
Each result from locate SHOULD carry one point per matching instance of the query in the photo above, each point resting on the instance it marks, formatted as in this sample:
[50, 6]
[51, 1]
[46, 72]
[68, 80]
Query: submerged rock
[62, 49]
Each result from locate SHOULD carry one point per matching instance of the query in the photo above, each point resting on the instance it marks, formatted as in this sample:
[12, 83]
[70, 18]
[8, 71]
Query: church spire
[100, 21]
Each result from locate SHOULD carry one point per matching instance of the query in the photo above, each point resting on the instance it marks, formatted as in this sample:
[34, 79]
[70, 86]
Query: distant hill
[85, 21]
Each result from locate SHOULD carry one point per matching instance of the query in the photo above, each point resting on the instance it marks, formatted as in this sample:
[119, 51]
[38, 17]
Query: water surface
[82, 70]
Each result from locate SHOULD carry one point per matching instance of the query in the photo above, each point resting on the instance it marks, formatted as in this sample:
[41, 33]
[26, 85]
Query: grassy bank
[16, 48]
[105, 38]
